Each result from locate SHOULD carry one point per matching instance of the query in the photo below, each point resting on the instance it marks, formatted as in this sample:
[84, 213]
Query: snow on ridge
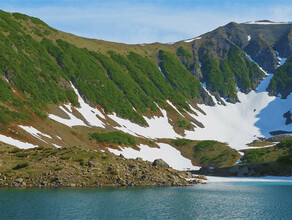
[34, 132]
[191, 40]
[281, 60]
[249, 57]
[266, 22]
[16, 143]
[165, 152]
[248, 38]
[205, 88]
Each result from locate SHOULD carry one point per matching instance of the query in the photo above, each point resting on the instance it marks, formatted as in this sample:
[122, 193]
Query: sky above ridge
[146, 21]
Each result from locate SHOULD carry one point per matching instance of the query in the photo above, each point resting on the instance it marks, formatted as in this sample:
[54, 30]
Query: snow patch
[266, 22]
[248, 38]
[159, 127]
[57, 146]
[161, 72]
[249, 57]
[166, 152]
[191, 40]
[34, 132]
[236, 123]
[281, 60]
[88, 113]
[73, 121]
[16, 143]
[172, 105]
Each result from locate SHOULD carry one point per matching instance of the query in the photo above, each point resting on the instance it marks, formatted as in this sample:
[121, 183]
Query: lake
[256, 200]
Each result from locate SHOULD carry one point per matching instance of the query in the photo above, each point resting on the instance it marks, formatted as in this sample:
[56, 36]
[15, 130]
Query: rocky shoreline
[77, 167]
[248, 170]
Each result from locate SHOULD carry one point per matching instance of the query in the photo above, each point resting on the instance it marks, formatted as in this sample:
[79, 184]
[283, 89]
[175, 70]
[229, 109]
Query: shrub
[114, 138]
[20, 166]
[180, 142]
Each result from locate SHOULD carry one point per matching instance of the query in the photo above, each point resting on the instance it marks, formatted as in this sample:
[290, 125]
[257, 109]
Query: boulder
[19, 180]
[159, 163]
[139, 159]
[93, 163]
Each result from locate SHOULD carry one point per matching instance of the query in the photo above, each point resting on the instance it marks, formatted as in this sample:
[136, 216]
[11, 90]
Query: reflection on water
[211, 201]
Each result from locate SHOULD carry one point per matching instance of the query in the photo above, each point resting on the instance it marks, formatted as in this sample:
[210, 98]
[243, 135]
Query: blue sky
[146, 21]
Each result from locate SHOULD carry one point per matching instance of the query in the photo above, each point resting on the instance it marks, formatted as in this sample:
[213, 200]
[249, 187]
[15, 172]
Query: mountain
[61, 90]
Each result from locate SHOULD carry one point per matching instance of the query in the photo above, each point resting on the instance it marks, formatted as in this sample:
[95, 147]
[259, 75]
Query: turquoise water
[210, 201]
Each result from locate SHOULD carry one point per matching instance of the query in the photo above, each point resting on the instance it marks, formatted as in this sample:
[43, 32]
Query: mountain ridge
[52, 79]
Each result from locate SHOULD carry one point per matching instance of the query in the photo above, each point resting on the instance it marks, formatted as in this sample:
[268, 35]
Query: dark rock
[288, 115]
[139, 159]
[159, 163]
[93, 163]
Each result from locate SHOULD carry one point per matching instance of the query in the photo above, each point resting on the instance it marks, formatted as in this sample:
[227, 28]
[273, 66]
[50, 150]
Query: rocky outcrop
[263, 54]
[159, 163]
[248, 170]
[91, 169]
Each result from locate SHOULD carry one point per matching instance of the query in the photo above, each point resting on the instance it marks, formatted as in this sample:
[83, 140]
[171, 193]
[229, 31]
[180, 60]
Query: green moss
[178, 76]
[282, 80]
[20, 166]
[281, 152]
[114, 138]
[214, 153]
[181, 142]
[222, 76]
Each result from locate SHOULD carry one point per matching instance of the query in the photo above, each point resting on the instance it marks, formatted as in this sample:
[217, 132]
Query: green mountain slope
[38, 63]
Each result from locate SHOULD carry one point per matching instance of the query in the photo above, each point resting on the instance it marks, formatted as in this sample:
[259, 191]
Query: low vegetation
[114, 138]
[282, 80]
[76, 166]
[214, 153]
[281, 152]
[206, 153]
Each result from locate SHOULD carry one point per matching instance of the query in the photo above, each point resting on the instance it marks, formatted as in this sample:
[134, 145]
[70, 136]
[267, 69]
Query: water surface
[211, 201]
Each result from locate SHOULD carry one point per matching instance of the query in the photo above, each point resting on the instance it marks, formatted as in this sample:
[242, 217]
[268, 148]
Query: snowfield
[166, 152]
[238, 124]
[241, 123]
[89, 114]
[159, 127]
[34, 132]
[16, 143]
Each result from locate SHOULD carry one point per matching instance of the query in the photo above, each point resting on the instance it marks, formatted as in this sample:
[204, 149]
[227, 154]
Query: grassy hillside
[281, 152]
[282, 80]
[207, 153]
[38, 63]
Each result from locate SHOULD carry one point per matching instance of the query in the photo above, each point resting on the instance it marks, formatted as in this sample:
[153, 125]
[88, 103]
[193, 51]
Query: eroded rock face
[263, 54]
